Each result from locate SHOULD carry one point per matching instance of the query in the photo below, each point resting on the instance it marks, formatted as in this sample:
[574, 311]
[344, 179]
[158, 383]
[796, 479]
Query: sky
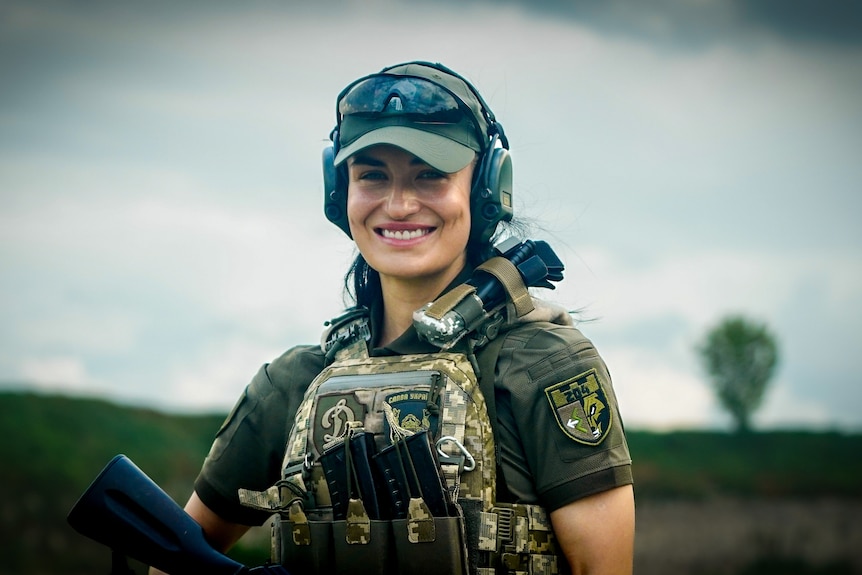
[161, 225]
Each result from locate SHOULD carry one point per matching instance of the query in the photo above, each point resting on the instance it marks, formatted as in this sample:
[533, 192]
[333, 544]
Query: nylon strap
[507, 273]
[444, 304]
[487, 361]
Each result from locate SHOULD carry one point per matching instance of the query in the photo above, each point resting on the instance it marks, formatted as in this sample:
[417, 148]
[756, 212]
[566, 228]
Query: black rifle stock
[125, 510]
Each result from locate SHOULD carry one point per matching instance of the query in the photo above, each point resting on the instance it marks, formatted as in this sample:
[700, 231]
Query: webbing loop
[508, 275]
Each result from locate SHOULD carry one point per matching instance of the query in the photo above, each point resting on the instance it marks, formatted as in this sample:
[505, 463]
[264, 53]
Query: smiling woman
[410, 222]
[499, 451]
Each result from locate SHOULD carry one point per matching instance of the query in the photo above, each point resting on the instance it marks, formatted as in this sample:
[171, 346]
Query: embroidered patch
[334, 412]
[581, 407]
[410, 408]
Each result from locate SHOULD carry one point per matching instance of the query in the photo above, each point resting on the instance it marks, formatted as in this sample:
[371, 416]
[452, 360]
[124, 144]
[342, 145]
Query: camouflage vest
[331, 515]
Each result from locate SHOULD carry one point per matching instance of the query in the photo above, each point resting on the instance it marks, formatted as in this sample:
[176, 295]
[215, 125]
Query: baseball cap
[420, 107]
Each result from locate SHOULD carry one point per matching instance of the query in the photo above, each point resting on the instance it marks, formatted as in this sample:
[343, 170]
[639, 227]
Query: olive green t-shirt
[558, 429]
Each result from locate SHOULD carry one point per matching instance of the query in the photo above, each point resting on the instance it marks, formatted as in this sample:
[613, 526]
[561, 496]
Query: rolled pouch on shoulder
[312, 556]
[369, 552]
[445, 554]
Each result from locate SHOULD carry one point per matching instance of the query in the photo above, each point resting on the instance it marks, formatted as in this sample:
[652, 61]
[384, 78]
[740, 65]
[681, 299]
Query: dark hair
[362, 283]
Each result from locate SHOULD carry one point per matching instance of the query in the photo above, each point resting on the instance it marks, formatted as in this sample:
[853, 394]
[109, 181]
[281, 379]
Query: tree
[740, 356]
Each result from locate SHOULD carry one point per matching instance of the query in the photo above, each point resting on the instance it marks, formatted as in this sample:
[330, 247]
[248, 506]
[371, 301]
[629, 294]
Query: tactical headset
[491, 194]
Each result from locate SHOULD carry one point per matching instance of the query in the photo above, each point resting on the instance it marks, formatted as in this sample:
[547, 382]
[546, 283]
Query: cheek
[355, 215]
[462, 207]
[357, 206]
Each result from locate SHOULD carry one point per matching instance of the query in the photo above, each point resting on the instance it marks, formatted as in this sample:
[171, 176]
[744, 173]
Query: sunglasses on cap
[416, 99]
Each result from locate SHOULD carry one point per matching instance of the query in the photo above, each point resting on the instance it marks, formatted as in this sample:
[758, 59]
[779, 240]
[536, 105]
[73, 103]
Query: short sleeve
[249, 447]
[560, 432]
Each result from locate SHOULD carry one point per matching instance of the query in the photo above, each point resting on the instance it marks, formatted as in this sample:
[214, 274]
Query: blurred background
[161, 226]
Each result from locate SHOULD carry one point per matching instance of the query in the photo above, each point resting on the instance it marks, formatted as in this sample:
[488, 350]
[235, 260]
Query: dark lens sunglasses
[417, 99]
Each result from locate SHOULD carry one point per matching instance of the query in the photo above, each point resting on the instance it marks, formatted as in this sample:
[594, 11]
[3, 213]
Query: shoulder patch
[580, 407]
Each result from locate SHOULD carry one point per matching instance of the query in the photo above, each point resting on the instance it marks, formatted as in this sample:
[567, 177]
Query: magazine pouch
[362, 546]
[426, 545]
[306, 546]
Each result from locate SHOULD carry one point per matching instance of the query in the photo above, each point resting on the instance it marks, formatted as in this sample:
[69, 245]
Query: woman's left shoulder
[555, 378]
[553, 345]
[546, 347]
[548, 327]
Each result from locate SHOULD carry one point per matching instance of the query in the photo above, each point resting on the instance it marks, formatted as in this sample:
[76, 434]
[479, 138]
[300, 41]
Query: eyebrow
[364, 160]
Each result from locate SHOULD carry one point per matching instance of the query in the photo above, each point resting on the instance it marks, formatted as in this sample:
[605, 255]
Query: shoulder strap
[487, 363]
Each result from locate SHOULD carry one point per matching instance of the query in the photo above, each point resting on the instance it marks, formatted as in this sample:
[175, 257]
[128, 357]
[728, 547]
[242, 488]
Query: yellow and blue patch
[581, 407]
[410, 408]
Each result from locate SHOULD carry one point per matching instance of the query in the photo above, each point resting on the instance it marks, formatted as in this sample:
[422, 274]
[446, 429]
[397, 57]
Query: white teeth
[403, 234]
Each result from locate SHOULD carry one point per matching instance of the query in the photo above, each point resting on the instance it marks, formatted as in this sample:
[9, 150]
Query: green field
[54, 446]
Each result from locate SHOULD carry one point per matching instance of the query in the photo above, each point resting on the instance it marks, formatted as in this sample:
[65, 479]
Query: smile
[404, 234]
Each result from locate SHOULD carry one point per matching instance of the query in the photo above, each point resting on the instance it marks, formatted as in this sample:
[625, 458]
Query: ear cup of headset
[335, 192]
[491, 199]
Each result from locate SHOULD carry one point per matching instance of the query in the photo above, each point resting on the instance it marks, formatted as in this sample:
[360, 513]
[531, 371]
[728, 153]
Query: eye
[371, 175]
[431, 175]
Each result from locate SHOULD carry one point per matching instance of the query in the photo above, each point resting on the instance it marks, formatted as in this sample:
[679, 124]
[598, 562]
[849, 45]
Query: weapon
[478, 304]
[125, 510]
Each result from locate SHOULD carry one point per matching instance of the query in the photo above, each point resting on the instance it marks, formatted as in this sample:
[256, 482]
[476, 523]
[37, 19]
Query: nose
[402, 201]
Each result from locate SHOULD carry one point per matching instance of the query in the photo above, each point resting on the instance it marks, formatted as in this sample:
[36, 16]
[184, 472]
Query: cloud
[67, 372]
[648, 318]
[829, 21]
[216, 375]
[160, 196]
[698, 25]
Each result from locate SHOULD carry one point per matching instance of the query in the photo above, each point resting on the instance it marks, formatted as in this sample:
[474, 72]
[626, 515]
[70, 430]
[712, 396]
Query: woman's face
[408, 220]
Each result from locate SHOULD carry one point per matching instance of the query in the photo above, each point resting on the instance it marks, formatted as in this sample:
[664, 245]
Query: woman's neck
[400, 299]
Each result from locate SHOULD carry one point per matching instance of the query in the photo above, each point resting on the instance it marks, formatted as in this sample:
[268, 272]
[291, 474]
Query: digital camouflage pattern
[420, 523]
[358, 524]
[522, 536]
[299, 523]
[463, 414]
[356, 391]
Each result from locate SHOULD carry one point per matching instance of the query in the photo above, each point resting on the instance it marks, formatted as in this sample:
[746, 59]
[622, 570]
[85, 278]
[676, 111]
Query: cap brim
[437, 151]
